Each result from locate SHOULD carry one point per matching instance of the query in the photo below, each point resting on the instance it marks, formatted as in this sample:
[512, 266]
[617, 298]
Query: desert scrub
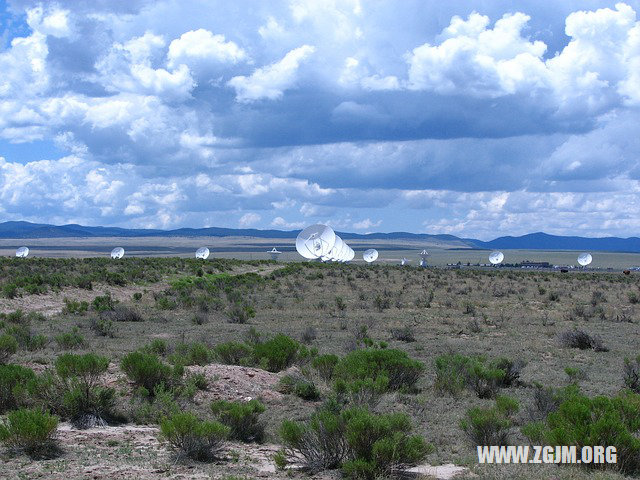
[299, 386]
[70, 340]
[240, 313]
[103, 303]
[148, 371]
[401, 371]
[454, 372]
[31, 431]
[191, 354]
[490, 426]
[13, 378]
[74, 307]
[325, 365]
[8, 346]
[364, 445]
[242, 418]
[234, 353]
[631, 374]
[580, 420]
[194, 438]
[580, 339]
[277, 353]
[362, 393]
[85, 402]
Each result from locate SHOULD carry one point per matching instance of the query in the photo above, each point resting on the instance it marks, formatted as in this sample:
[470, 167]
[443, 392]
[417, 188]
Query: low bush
[148, 371]
[364, 445]
[8, 346]
[103, 327]
[308, 335]
[156, 346]
[242, 418]
[149, 408]
[194, 438]
[277, 353]
[580, 339]
[70, 340]
[404, 334]
[122, 313]
[325, 365]
[631, 374]
[75, 307]
[363, 393]
[13, 378]
[454, 372]
[31, 431]
[487, 426]
[580, 420]
[240, 313]
[103, 303]
[233, 353]
[299, 386]
[85, 402]
[401, 371]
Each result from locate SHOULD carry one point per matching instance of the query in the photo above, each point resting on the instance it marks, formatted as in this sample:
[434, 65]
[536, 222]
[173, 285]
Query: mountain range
[532, 241]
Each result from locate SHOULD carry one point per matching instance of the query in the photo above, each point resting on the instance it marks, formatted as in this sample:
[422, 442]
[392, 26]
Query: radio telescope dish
[202, 253]
[351, 255]
[585, 259]
[423, 258]
[117, 252]
[404, 261]
[315, 241]
[370, 255]
[334, 254]
[274, 253]
[496, 257]
[22, 252]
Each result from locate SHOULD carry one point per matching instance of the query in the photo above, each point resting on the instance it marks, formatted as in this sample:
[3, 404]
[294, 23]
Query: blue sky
[474, 118]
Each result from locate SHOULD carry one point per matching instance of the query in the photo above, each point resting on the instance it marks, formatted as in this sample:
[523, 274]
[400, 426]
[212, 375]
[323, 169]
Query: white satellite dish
[350, 255]
[274, 253]
[315, 241]
[404, 261]
[202, 253]
[585, 259]
[496, 257]
[117, 252]
[22, 252]
[423, 258]
[334, 254]
[370, 255]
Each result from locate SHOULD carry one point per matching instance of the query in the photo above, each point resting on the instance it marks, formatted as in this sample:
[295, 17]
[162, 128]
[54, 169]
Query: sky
[471, 118]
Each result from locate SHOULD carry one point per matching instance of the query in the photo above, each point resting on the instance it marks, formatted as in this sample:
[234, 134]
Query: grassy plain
[494, 312]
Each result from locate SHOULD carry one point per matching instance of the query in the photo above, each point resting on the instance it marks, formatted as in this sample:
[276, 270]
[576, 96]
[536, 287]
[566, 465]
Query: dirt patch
[441, 472]
[232, 382]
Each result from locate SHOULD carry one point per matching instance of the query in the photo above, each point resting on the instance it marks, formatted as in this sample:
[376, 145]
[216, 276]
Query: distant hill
[544, 241]
[27, 230]
[532, 241]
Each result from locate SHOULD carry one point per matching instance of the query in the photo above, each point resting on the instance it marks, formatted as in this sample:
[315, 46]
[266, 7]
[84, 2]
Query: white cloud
[271, 81]
[201, 47]
[280, 222]
[366, 224]
[249, 219]
[54, 21]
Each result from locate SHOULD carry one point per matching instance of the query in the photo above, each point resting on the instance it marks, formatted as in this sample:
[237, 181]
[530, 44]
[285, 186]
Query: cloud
[248, 219]
[270, 82]
[366, 224]
[201, 47]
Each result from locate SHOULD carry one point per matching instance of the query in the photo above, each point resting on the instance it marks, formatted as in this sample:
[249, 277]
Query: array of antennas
[321, 242]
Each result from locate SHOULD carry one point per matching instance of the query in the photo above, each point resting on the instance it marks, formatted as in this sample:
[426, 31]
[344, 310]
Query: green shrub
[454, 372]
[277, 353]
[8, 346]
[147, 370]
[103, 327]
[13, 378]
[630, 374]
[137, 296]
[198, 354]
[85, 402]
[363, 393]
[242, 418]
[300, 386]
[70, 340]
[239, 313]
[363, 444]
[10, 290]
[75, 307]
[30, 431]
[194, 438]
[122, 313]
[486, 426]
[149, 408]
[157, 346]
[103, 303]
[233, 353]
[401, 371]
[325, 365]
[581, 420]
